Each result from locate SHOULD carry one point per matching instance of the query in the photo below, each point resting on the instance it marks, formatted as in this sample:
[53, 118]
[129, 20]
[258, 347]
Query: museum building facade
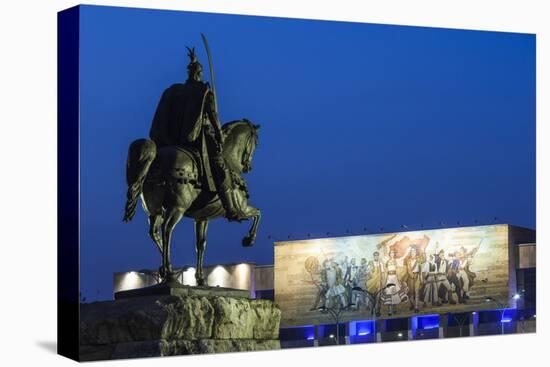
[436, 283]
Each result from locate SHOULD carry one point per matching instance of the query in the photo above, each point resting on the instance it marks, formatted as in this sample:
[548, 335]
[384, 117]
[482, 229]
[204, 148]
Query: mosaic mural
[392, 275]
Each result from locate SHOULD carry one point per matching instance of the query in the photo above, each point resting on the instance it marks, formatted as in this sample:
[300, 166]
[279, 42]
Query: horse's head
[241, 138]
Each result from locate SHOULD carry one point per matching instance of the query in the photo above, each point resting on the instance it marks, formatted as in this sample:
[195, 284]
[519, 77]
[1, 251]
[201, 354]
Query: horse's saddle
[199, 176]
[165, 165]
[194, 176]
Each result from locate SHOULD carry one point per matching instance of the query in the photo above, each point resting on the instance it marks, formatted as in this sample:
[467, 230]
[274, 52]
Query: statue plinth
[168, 325]
[177, 289]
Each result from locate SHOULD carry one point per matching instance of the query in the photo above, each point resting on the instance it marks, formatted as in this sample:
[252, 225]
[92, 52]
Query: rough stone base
[174, 325]
[178, 289]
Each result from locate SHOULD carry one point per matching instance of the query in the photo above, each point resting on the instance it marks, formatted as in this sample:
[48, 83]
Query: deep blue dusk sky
[362, 126]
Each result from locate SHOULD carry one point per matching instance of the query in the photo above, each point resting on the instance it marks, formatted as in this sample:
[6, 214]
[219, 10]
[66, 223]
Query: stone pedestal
[173, 325]
[178, 289]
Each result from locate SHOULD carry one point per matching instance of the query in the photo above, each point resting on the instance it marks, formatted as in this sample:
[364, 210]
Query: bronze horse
[168, 182]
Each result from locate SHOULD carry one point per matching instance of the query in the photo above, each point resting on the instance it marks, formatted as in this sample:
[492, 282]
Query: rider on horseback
[187, 116]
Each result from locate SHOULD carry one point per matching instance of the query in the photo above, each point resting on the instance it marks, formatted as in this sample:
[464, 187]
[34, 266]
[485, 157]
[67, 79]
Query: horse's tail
[141, 154]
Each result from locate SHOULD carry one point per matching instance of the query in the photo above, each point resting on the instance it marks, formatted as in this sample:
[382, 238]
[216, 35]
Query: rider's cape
[178, 117]
[178, 122]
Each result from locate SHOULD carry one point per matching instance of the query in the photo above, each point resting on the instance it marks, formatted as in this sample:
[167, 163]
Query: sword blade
[211, 66]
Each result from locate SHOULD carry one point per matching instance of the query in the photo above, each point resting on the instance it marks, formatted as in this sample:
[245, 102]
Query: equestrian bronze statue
[191, 167]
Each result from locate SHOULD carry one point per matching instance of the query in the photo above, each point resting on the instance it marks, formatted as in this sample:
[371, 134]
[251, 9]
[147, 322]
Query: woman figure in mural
[397, 293]
[413, 265]
[376, 268]
[336, 291]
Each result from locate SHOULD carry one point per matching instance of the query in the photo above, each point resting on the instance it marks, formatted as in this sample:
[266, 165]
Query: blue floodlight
[430, 326]
[427, 322]
[363, 328]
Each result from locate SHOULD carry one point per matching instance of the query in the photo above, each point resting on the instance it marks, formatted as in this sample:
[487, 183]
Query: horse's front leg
[172, 217]
[256, 215]
[200, 233]
[155, 223]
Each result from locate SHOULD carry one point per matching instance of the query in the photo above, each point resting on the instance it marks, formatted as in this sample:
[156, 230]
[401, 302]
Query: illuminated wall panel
[433, 271]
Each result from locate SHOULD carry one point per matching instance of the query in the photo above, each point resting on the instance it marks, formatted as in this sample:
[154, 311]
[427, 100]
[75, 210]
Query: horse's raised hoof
[248, 241]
